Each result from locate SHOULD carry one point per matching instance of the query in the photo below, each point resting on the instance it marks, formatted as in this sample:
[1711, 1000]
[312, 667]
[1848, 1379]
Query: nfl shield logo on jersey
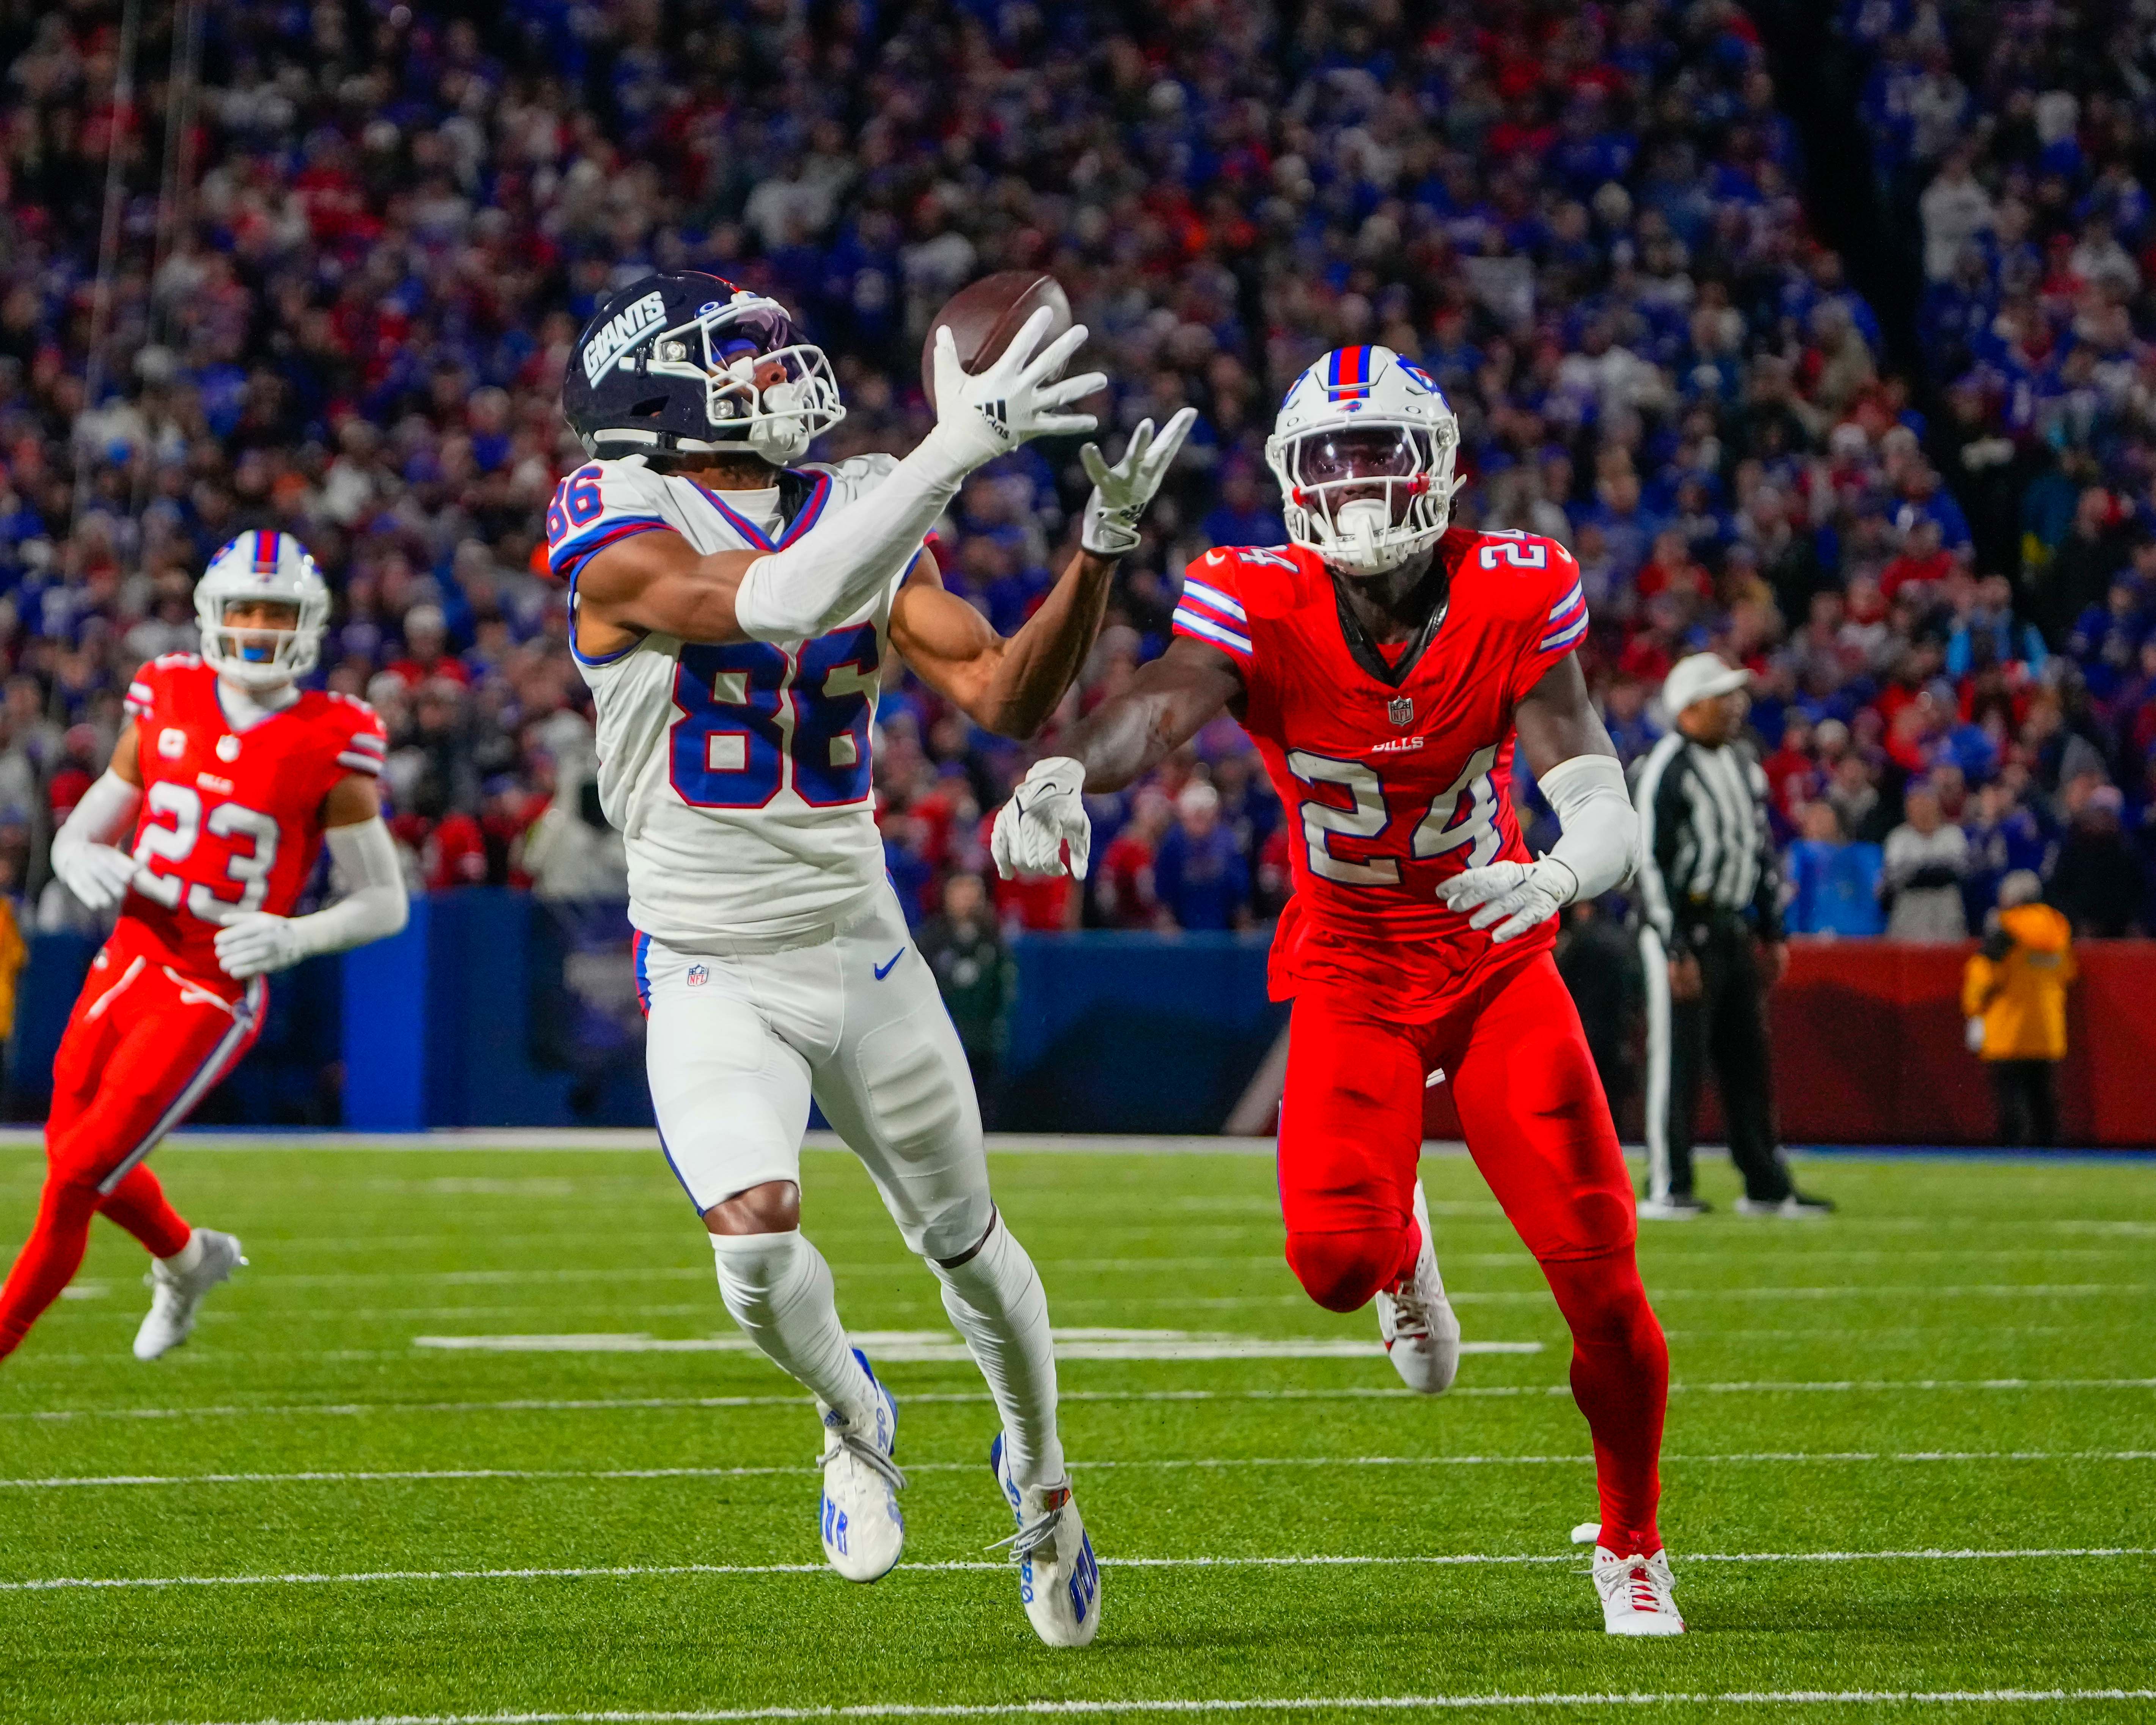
[1400, 710]
[227, 748]
[698, 976]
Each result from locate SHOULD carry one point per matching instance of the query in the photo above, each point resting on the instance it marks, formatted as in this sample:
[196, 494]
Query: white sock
[995, 1299]
[778, 1289]
[188, 1259]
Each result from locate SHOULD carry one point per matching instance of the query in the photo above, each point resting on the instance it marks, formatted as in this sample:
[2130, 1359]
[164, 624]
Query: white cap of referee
[1700, 677]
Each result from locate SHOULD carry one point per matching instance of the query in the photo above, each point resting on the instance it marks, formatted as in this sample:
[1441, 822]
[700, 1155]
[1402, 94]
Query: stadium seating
[1590, 225]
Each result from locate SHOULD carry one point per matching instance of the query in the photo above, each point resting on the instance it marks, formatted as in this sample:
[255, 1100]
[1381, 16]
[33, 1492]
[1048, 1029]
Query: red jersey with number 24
[1392, 783]
[231, 821]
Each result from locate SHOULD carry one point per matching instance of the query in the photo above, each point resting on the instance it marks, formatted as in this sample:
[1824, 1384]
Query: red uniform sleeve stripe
[1219, 601]
[1200, 608]
[1564, 637]
[1190, 622]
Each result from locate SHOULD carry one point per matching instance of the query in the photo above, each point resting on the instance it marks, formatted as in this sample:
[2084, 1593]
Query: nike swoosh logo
[885, 970]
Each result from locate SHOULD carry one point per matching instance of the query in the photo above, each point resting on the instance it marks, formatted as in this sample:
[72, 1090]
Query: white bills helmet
[262, 566]
[1364, 450]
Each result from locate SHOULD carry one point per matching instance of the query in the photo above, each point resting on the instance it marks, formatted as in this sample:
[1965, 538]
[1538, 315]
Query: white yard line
[421, 1475]
[645, 1403]
[1263, 1704]
[930, 1347]
[262, 1278]
[1460, 1559]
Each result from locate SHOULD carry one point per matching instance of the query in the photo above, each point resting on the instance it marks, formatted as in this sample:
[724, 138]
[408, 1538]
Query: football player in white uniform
[733, 609]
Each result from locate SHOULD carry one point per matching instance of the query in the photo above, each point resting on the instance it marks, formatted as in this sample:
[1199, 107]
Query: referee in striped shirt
[1710, 927]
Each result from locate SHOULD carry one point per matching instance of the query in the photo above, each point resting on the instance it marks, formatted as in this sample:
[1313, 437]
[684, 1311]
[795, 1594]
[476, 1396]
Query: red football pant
[145, 1044]
[1539, 1129]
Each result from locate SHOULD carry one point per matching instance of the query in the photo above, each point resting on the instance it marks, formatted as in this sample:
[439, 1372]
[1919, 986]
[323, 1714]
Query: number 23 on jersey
[247, 868]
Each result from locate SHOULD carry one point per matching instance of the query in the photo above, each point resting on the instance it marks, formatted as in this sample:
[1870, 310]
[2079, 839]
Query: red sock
[138, 1204]
[48, 1258]
[1620, 1378]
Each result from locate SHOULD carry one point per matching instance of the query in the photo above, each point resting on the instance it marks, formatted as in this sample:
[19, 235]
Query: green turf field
[1964, 1361]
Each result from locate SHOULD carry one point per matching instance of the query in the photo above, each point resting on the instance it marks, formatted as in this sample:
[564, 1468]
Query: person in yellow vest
[2013, 995]
[14, 952]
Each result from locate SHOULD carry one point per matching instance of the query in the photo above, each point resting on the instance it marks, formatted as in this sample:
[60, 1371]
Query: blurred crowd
[350, 319]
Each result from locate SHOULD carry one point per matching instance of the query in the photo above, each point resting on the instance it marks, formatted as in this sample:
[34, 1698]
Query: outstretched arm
[1168, 702]
[1011, 686]
[1570, 754]
[1006, 687]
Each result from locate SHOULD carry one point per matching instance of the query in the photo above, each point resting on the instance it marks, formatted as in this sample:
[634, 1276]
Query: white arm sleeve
[1601, 832]
[85, 860]
[107, 810]
[836, 567]
[375, 908]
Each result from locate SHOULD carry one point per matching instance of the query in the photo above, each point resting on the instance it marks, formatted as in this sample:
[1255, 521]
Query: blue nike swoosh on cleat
[885, 970]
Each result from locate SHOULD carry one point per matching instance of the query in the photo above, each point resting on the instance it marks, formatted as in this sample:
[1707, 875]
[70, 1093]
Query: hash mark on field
[645, 1403]
[403, 1476]
[1264, 1704]
[1419, 1560]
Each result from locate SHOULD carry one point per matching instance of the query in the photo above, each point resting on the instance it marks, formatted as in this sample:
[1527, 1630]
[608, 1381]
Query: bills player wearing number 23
[222, 787]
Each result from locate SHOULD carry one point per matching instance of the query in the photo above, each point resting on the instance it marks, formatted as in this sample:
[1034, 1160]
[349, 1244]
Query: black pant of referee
[1723, 1024]
[1709, 889]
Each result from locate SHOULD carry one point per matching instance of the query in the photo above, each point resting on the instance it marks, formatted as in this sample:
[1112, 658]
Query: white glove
[1046, 811]
[988, 414]
[258, 943]
[1516, 897]
[97, 874]
[1121, 492]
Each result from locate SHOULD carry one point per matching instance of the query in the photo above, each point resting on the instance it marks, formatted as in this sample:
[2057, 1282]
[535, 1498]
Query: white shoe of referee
[176, 1292]
[1636, 1594]
[858, 1518]
[1416, 1322]
[1058, 1581]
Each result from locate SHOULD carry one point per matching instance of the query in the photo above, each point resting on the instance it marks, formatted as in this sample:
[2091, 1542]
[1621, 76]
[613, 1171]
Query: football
[983, 318]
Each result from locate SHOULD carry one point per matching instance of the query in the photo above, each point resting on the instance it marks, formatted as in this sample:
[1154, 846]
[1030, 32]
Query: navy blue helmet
[687, 362]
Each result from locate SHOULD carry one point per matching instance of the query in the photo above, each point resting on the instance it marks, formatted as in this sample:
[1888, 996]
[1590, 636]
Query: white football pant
[737, 1046]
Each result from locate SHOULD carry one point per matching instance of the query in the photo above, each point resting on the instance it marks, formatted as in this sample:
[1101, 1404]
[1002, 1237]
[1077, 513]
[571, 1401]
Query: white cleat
[1635, 1594]
[1416, 1322]
[862, 1529]
[174, 1294]
[1058, 1579]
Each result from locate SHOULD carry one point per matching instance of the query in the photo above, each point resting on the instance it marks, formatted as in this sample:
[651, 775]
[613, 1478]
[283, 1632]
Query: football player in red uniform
[223, 787]
[1387, 665]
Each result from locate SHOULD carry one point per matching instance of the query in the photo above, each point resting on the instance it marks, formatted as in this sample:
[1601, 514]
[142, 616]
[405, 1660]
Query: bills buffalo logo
[621, 332]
